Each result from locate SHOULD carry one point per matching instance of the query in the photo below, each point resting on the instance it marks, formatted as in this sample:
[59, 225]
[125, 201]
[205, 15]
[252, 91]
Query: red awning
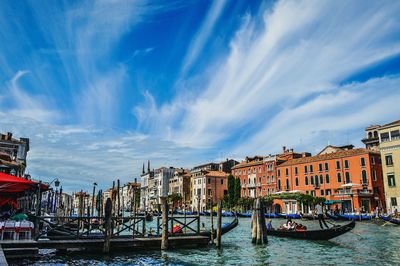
[12, 185]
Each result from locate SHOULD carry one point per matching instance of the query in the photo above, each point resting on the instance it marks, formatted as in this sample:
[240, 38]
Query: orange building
[258, 174]
[346, 177]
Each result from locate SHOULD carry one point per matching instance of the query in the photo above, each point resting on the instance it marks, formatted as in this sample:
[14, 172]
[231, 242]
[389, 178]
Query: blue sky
[102, 86]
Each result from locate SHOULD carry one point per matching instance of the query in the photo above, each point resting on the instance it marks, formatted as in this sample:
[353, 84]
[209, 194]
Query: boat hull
[391, 220]
[289, 216]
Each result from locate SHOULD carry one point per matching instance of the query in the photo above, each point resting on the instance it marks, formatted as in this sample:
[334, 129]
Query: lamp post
[94, 190]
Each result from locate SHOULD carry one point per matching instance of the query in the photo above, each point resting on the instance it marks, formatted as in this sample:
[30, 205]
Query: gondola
[271, 215]
[333, 216]
[227, 214]
[308, 216]
[244, 214]
[356, 217]
[225, 228]
[323, 234]
[289, 216]
[390, 219]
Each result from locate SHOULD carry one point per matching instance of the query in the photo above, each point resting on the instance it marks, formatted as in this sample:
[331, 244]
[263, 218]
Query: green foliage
[268, 201]
[174, 197]
[230, 198]
[237, 191]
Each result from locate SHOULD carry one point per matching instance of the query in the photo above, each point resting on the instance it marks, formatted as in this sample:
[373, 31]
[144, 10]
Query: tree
[237, 191]
[174, 198]
[230, 198]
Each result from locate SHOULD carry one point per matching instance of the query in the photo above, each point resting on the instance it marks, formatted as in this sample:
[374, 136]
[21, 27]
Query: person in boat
[269, 225]
[288, 225]
[320, 214]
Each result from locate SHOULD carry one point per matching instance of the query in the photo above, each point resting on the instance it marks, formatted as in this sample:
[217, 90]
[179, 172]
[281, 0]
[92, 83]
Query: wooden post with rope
[259, 228]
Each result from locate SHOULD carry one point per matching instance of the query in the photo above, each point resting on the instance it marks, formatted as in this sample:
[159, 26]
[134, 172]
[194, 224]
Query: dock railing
[81, 227]
[189, 224]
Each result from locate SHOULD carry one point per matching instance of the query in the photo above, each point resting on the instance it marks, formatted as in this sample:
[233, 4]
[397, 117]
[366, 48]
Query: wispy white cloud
[203, 35]
[279, 66]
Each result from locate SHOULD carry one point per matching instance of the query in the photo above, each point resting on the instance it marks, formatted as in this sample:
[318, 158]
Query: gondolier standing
[320, 213]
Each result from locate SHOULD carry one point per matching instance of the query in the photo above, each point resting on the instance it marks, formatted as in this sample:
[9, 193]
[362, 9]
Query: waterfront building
[348, 177]
[147, 189]
[180, 184]
[258, 174]
[161, 182]
[13, 154]
[388, 138]
[207, 186]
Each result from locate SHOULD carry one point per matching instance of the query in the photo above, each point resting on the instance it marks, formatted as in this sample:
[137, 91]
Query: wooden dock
[30, 248]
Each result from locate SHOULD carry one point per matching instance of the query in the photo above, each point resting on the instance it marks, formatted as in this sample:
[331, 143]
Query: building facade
[13, 154]
[389, 146]
[352, 178]
[180, 184]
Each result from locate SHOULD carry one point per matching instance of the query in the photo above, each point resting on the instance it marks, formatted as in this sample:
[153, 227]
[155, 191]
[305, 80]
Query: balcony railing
[344, 192]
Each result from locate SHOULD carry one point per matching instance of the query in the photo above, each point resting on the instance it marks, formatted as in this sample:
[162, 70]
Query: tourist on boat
[287, 225]
[320, 213]
[269, 225]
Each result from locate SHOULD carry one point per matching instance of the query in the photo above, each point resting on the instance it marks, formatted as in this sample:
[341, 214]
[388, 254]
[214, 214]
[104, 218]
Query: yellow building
[389, 146]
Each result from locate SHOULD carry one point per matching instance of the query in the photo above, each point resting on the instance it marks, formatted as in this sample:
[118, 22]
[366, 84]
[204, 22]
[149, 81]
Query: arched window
[327, 179]
[306, 180]
[339, 178]
[321, 179]
[287, 183]
[375, 134]
[364, 177]
[297, 182]
[370, 135]
[312, 180]
[347, 174]
[279, 184]
[316, 180]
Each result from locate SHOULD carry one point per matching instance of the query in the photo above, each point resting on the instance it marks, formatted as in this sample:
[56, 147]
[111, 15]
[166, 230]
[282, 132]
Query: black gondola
[390, 219]
[323, 234]
[224, 228]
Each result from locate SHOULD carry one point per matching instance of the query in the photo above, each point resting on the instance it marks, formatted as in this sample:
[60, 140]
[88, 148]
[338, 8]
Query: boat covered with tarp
[390, 219]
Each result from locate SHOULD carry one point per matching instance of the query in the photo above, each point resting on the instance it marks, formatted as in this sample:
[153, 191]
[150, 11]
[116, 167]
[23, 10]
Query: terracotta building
[258, 174]
[180, 184]
[350, 178]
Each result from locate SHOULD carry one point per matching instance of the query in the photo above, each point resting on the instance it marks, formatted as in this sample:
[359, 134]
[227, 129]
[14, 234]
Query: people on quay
[269, 224]
[320, 214]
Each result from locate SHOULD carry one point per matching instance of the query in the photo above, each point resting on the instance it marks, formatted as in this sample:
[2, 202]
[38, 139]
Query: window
[364, 177]
[376, 190]
[279, 172]
[244, 181]
[279, 184]
[389, 160]
[305, 169]
[297, 182]
[295, 171]
[254, 170]
[321, 179]
[346, 164]
[287, 171]
[222, 181]
[328, 192]
[311, 169]
[316, 180]
[320, 167]
[312, 180]
[254, 180]
[393, 201]
[395, 134]
[209, 192]
[322, 192]
[249, 181]
[313, 193]
[372, 160]
[287, 183]
[347, 174]
[306, 180]
[374, 175]
[339, 178]
[260, 180]
[384, 136]
[327, 179]
[338, 165]
[259, 169]
[362, 161]
[326, 166]
[391, 180]
[209, 180]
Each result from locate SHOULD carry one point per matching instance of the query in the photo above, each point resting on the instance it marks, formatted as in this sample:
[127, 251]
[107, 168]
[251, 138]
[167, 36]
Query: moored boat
[308, 216]
[271, 215]
[357, 217]
[289, 215]
[390, 219]
[244, 214]
[323, 234]
[333, 216]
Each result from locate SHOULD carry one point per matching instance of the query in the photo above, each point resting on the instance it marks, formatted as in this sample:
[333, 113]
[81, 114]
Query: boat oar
[346, 227]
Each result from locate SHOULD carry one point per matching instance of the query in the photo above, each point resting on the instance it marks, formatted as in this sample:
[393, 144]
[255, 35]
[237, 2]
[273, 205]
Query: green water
[369, 244]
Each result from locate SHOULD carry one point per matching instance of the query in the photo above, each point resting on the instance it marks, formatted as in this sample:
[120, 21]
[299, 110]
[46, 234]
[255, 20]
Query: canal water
[370, 243]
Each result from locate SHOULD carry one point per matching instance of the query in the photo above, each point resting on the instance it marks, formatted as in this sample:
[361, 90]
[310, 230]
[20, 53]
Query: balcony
[364, 192]
[251, 185]
[344, 192]
[316, 186]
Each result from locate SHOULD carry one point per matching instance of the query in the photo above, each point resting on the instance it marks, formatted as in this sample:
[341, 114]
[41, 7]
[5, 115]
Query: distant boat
[390, 219]
[357, 217]
[333, 216]
[323, 234]
[244, 214]
[308, 216]
[271, 215]
[289, 215]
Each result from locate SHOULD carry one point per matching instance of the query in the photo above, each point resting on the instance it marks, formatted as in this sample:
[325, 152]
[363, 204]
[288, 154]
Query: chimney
[291, 150]
[9, 135]
[284, 149]
[135, 180]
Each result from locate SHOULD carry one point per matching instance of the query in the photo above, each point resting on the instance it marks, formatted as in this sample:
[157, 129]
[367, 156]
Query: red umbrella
[10, 184]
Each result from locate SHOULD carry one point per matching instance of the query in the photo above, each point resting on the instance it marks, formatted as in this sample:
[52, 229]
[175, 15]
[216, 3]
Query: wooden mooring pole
[259, 228]
[219, 223]
[107, 225]
[164, 234]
